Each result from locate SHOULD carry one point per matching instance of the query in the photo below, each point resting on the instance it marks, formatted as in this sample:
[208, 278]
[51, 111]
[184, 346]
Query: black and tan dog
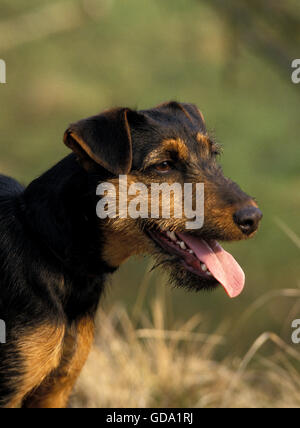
[55, 253]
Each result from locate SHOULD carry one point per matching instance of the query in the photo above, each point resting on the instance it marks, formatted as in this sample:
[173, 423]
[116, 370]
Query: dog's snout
[247, 219]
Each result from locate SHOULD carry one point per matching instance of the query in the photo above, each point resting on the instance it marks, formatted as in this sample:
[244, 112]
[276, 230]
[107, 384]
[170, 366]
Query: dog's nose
[248, 219]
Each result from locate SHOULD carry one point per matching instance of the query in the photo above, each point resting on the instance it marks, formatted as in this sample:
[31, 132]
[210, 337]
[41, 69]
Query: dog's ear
[104, 140]
[191, 111]
[195, 114]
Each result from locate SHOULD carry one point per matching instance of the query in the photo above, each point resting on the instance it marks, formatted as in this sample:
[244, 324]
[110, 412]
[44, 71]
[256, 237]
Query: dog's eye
[163, 167]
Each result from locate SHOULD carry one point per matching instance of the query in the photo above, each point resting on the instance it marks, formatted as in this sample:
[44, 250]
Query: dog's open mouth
[206, 259]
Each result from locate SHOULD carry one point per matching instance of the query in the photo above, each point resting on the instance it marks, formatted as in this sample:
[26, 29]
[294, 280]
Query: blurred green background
[70, 59]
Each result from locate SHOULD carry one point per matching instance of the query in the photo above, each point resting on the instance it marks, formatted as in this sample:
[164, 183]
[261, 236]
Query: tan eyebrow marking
[177, 145]
[201, 138]
[204, 142]
[171, 145]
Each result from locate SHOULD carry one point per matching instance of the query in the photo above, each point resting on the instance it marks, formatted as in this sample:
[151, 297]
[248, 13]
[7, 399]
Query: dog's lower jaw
[119, 246]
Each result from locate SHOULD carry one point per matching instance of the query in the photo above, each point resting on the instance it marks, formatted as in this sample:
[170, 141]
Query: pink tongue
[221, 264]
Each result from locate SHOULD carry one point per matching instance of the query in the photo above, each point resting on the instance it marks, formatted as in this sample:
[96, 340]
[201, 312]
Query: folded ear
[195, 114]
[191, 111]
[104, 139]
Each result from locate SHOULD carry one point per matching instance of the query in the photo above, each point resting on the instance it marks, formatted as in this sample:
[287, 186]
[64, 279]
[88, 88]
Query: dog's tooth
[209, 274]
[182, 245]
[173, 236]
[191, 251]
[169, 234]
[204, 267]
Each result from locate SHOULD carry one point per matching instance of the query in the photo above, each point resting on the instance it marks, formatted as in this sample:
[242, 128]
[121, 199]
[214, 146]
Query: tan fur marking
[177, 145]
[122, 245]
[201, 138]
[123, 237]
[41, 351]
[221, 217]
[167, 146]
[54, 392]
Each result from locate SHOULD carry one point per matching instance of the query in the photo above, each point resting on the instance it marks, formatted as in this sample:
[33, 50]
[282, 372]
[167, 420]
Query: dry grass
[155, 367]
[142, 363]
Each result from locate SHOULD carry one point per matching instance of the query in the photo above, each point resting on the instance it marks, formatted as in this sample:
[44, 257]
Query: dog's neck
[60, 209]
[59, 212]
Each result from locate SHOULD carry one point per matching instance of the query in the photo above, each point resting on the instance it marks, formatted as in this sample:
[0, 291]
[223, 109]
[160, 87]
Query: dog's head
[172, 200]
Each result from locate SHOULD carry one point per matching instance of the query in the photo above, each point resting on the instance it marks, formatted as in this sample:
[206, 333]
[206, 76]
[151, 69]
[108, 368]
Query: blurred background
[70, 59]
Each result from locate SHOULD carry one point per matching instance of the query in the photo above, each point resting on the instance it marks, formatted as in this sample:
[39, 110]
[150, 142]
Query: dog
[56, 253]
